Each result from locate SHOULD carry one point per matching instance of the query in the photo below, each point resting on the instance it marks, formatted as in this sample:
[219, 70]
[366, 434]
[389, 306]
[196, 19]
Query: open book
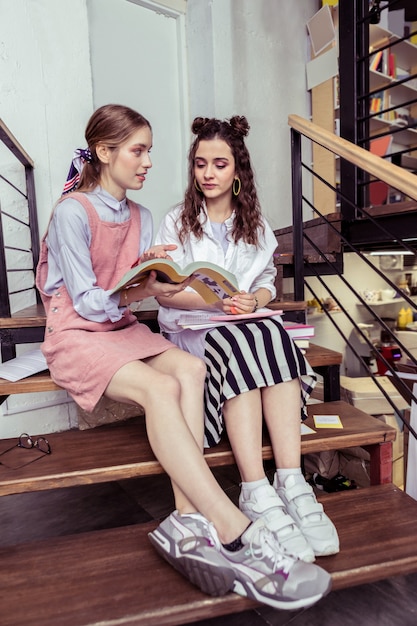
[211, 281]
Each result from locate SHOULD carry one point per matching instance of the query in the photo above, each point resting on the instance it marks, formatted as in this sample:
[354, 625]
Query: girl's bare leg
[190, 374]
[280, 405]
[243, 420]
[170, 436]
[243, 415]
[281, 409]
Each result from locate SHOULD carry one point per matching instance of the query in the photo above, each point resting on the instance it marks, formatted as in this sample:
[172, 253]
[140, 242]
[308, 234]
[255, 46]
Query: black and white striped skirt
[246, 356]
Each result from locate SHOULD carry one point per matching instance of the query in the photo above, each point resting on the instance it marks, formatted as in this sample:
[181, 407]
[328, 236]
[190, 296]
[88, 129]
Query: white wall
[45, 99]
[45, 87]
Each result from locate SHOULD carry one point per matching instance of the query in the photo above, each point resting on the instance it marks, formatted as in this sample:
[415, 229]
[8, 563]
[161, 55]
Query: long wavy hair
[248, 221]
[111, 124]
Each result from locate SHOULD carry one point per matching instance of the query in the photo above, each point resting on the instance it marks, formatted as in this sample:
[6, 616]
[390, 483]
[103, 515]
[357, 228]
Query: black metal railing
[19, 237]
[302, 130]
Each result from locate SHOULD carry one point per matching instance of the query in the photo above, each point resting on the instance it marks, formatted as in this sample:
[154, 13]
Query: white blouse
[253, 266]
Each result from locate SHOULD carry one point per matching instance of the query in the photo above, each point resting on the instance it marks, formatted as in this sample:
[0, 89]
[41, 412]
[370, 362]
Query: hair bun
[240, 125]
[198, 124]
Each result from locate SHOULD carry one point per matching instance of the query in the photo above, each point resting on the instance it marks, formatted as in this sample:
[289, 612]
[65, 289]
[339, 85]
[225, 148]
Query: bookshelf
[397, 62]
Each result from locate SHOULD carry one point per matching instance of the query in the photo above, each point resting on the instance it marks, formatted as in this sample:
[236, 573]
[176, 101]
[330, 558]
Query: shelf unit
[379, 303]
[400, 95]
[397, 94]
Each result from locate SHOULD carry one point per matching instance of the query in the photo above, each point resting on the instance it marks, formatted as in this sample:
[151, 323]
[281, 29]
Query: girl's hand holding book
[152, 287]
[157, 288]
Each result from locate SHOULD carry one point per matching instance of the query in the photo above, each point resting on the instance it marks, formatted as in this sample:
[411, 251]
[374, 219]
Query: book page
[23, 366]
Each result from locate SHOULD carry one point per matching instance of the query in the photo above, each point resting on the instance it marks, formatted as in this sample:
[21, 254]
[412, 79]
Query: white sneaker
[264, 572]
[264, 503]
[300, 502]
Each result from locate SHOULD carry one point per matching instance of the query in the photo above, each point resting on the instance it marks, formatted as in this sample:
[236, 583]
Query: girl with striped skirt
[255, 372]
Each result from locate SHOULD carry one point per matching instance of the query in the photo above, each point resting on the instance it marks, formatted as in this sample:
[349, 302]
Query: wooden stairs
[115, 576]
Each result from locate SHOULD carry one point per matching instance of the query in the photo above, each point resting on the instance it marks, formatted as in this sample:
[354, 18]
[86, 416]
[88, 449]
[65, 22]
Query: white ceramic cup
[387, 294]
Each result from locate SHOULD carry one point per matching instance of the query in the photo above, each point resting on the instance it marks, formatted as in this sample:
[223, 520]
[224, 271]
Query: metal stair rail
[19, 238]
[395, 176]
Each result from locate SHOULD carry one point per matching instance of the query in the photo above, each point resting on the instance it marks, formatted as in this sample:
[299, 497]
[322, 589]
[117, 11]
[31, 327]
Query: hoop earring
[236, 192]
[196, 186]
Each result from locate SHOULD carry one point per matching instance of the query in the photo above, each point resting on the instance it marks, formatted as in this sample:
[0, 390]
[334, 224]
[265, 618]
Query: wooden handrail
[393, 175]
[14, 146]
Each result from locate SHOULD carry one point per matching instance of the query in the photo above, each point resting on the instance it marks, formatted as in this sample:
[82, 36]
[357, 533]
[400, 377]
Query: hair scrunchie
[80, 157]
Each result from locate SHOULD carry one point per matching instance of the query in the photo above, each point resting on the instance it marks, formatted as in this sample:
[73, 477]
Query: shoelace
[264, 545]
[211, 531]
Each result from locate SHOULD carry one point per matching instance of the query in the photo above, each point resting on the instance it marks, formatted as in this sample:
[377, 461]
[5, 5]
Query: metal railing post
[296, 170]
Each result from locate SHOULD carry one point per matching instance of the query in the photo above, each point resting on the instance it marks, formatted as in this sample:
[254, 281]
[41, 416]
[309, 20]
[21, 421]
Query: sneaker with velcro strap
[263, 502]
[300, 502]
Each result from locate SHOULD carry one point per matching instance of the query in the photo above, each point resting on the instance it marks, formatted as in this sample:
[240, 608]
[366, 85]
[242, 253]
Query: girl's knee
[196, 368]
[166, 386]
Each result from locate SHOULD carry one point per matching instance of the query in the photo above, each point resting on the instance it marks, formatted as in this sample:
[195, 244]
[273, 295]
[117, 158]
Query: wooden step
[30, 317]
[115, 576]
[34, 316]
[121, 450]
[32, 384]
[318, 357]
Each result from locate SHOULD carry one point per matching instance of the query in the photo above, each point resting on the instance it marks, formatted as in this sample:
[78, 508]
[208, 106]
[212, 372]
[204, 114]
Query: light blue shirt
[220, 233]
[69, 260]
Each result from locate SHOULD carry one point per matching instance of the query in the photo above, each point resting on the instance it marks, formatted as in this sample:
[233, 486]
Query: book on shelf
[392, 65]
[198, 321]
[378, 190]
[376, 61]
[384, 61]
[211, 281]
[299, 331]
[380, 103]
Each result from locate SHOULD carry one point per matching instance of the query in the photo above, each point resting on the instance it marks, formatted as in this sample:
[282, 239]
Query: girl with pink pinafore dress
[95, 347]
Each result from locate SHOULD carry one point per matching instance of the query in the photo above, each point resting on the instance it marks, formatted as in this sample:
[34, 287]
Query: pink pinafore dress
[82, 355]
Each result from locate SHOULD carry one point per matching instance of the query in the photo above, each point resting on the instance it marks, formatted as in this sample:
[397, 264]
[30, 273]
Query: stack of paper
[23, 366]
[197, 321]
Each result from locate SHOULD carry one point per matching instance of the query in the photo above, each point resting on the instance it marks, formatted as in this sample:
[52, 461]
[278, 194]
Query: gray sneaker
[264, 572]
[191, 545]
